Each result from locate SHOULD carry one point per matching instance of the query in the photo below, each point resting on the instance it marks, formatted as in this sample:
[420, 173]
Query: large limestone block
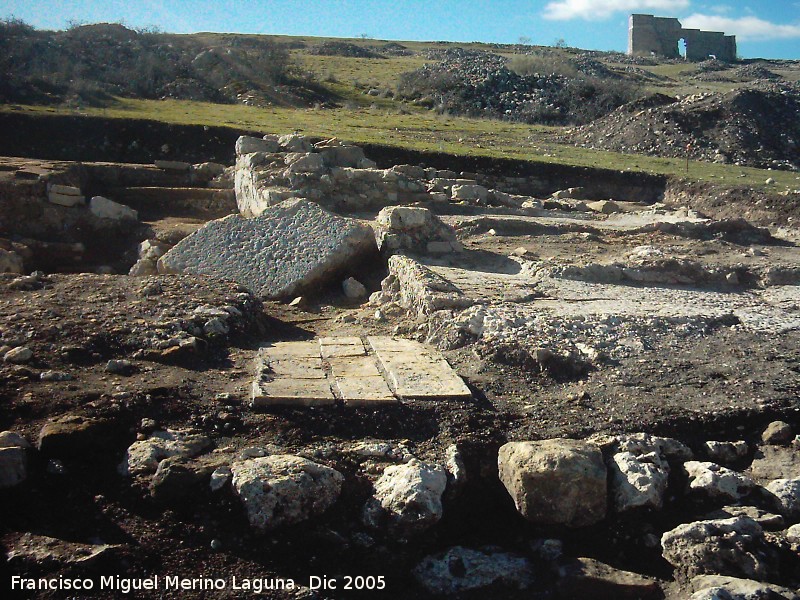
[284, 489]
[291, 247]
[555, 482]
[13, 466]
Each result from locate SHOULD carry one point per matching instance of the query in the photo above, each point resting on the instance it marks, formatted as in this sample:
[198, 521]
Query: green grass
[421, 130]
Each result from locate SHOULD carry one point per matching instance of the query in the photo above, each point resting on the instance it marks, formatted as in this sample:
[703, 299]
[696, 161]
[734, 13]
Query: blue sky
[769, 29]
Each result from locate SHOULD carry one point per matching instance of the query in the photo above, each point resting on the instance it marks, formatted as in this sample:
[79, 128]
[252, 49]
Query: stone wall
[660, 36]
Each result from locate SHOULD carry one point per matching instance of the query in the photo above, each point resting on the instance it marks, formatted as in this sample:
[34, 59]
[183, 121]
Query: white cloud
[744, 28]
[566, 10]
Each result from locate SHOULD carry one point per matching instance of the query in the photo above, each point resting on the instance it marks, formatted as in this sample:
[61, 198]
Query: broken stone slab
[143, 456]
[415, 229]
[339, 347]
[291, 247]
[288, 392]
[462, 569]
[605, 207]
[555, 482]
[416, 287]
[720, 587]
[589, 578]
[64, 190]
[44, 550]
[283, 489]
[734, 546]
[291, 373]
[172, 165]
[414, 370]
[407, 498]
[358, 381]
[108, 209]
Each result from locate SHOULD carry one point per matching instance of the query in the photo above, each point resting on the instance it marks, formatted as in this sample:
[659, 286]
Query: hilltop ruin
[660, 36]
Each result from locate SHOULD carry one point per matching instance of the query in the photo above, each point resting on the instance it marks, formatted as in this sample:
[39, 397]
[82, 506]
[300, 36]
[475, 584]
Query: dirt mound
[737, 127]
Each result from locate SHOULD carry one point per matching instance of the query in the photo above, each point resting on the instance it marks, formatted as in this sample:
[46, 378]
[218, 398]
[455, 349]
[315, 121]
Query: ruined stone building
[648, 35]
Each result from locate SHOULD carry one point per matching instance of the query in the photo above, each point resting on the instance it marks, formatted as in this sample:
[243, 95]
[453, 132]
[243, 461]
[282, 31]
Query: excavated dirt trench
[643, 297]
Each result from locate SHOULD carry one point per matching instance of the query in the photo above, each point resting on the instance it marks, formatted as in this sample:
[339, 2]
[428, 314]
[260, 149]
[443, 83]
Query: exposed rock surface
[787, 495]
[555, 482]
[290, 247]
[284, 489]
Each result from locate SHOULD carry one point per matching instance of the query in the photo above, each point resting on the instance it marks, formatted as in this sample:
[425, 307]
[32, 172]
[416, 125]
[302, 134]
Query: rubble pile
[480, 84]
[734, 127]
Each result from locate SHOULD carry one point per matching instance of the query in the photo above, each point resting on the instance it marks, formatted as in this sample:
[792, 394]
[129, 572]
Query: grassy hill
[359, 90]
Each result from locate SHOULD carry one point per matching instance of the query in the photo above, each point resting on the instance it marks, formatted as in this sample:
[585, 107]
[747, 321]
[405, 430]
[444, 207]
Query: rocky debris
[417, 288]
[777, 433]
[18, 356]
[42, 550]
[120, 367]
[726, 453]
[144, 456]
[734, 546]
[589, 578]
[414, 229]
[481, 84]
[786, 493]
[283, 489]
[720, 587]
[555, 482]
[104, 208]
[353, 289]
[605, 207]
[717, 482]
[13, 459]
[10, 262]
[178, 479]
[293, 246]
[462, 569]
[75, 436]
[732, 127]
[407, 498]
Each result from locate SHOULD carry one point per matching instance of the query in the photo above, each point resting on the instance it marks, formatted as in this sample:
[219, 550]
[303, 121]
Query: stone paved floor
[345, 369]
